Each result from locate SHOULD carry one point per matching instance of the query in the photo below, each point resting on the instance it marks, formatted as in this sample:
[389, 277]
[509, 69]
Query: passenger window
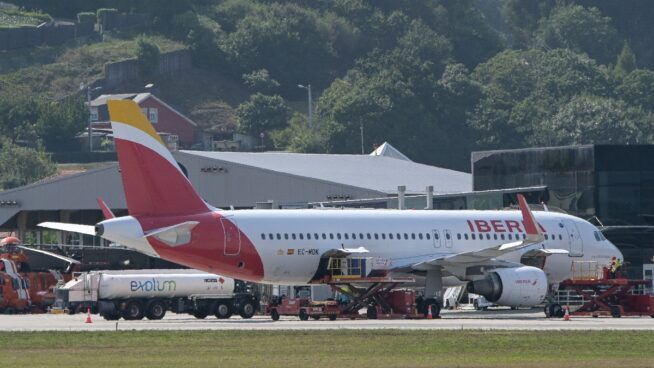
[324, 236]
[447, 236]
[488, 236]
[361, 236]
[596, 236]
[331, 235]
[473, 236]
[270, 236]
[315, 236]
[495, 236]
[286, 236]
[399, 237]
[420, 236]
[465, 236]
[502, 236]
[301, 236]
[293, 236]
[406, 236]
[338, 236]
[376, 236]
[383, 236]
[436, 236]
[560, 237]
[308, 236]
[427, 235]
[390, 236]
[347, 237]
[263, 236]
[458, 236]
[279, 236]
[413, 236]
[368, 236]
[354, 236]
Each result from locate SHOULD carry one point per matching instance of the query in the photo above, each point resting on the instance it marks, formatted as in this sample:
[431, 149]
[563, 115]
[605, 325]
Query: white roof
[379, 173]
[389, 151]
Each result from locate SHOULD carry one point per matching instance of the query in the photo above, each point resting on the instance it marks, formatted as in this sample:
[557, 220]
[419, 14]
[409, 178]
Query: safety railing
[586, 270]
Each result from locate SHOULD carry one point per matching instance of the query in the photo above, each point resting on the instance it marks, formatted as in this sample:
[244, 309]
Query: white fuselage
[291, 242]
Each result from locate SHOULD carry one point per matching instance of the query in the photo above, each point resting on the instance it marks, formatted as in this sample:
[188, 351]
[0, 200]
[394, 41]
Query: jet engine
[515, 287]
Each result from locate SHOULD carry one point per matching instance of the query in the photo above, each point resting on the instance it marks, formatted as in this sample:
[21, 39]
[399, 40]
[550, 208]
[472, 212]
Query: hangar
[224, 179]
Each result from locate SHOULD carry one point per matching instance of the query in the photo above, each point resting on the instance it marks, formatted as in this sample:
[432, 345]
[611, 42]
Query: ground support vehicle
[303, 308]
[134, 294]
[611, 297]
[375, 292]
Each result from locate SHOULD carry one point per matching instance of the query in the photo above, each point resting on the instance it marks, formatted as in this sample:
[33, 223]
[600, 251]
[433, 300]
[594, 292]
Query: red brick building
[175, 129]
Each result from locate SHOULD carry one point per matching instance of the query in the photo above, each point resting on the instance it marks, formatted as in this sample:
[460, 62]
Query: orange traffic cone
[88, 316]
[429, 315]
[566, 316]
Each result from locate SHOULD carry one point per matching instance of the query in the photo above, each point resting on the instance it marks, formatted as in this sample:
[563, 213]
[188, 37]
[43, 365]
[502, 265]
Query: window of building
[94, 114]
[153, 115]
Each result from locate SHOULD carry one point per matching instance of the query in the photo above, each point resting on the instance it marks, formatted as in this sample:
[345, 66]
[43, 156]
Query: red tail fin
[154, 183]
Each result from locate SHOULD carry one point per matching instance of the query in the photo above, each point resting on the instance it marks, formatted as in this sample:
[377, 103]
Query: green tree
[262, 114]
[21, 165]
[522, 18]
[523, 88]
[581, 30]
[260, 81]
[626, 62]
[18, 116]
[60, 121]
[147, 56]
[596, 120]
[637, 88]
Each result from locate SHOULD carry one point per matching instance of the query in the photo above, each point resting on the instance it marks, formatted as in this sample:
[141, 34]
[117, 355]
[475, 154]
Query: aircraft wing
[50, 254]
[73, 228]
[481, 257]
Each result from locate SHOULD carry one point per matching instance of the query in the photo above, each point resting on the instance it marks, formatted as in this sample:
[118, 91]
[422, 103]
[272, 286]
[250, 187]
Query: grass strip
[369, 348]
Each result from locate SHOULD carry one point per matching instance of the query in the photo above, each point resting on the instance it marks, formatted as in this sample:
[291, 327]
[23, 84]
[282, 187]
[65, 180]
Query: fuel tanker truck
[134, 294]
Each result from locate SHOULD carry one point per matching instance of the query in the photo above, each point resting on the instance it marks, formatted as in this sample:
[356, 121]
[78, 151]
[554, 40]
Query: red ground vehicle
[23, 289]
[304, 308]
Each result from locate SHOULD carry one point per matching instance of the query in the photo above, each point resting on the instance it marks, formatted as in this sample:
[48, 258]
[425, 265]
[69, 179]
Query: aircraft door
[448, 238]
[574, 239]
[232, 237]
[437, 238]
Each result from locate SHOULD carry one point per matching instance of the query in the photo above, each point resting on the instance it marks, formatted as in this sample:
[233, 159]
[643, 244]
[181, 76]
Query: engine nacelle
[521, 286]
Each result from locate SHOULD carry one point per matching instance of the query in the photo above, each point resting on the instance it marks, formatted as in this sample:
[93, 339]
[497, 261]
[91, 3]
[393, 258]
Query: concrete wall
[170, 63]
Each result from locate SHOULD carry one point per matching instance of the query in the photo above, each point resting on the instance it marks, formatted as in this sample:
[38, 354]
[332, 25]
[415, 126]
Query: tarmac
[497, 319]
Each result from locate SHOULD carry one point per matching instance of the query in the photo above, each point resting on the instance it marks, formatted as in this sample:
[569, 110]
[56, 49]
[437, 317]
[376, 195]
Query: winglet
[106, 212]
[527, 217]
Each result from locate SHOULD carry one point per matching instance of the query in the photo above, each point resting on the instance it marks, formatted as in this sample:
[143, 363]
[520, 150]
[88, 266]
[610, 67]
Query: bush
[87, 17]
[147, 55]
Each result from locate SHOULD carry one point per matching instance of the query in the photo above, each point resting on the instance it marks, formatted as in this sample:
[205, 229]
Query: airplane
[512, 257]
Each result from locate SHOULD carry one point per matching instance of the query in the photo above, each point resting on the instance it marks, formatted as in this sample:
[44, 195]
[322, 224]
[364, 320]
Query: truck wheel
[111, 316]
[156, 310]
[200, 314]
[274, 315]
[133, 311]
[476, 305]
[332, 317]
[615, 311]
[303, 315]
[247, 310]
[223, 310]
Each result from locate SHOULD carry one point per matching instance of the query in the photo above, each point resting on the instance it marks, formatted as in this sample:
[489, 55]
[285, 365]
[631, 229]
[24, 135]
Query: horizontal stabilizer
[188, 225]
[73, 228]
[544, 252]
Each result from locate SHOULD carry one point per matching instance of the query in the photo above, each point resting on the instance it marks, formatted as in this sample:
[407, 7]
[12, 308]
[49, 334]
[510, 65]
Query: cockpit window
[599, 236]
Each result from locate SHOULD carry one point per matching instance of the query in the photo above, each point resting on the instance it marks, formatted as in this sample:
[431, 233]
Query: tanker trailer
[134, 294]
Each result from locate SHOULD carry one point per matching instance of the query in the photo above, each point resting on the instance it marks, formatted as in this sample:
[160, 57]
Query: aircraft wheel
[316, 318]
[615, 311]
[303, 315]
[556, 310]
[111, 316]
[547, 311]
[156, 310]
[274, 315]
[371, 312]
[133, 311]
[435, 307]
[223, 310]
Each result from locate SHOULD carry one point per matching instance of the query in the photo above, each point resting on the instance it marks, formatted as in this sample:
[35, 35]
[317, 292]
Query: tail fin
[106, 212]
[153, 182]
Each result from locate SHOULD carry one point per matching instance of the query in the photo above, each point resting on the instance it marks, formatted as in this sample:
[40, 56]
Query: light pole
[308, 88]
[361, 128]
[88, 88]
